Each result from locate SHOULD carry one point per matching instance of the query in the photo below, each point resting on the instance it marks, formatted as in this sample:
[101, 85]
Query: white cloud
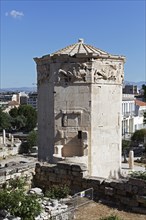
[15, 14]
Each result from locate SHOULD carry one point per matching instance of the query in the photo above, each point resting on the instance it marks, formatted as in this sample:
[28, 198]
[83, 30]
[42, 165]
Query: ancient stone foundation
[127, 193]
[21, 170]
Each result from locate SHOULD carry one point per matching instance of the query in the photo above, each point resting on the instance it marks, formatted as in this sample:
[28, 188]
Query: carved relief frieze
[108, 71]
[73, 72]
[43, 72]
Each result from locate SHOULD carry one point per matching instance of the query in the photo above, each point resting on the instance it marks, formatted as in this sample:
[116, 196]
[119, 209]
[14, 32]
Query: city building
[79, 108]
[23, 98]
[132, 115]
[130, 89]
[128, 115]
[32, 99]
[11, 105]
[140, 108]
[3, 105]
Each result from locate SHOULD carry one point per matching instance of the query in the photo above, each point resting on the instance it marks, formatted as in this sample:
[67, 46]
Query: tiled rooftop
[140, 103]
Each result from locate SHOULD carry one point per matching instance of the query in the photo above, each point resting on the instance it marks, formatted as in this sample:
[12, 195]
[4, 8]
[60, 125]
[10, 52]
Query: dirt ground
[95, 211]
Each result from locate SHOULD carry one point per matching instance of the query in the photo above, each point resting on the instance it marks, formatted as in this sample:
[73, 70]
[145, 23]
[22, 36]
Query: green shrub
[29, 207]
[125, 145]
[57, 192]
[138, 136]
[4, 197]
[17, 202]
[138, 175]
[18, 183]
[111, 217]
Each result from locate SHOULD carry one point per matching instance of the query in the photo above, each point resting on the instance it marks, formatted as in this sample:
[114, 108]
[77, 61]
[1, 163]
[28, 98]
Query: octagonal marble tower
[79, 108]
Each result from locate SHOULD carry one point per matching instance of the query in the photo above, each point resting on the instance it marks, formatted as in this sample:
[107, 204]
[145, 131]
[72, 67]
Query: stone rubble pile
[54, 208]
[4, 215]
[51, 208]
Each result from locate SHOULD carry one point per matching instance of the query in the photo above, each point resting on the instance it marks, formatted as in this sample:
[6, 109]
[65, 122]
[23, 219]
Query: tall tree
[144, 120]
[5, 120]
[139, 135]
[24, 118]
[13, 112]
[20, 122]
[30, 114]
[144, 90]
[32, 139]
[144, 96]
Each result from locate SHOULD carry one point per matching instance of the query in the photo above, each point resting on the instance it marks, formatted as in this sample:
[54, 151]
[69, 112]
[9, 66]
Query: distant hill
[34, 89]
[138, 84]
[21, 89]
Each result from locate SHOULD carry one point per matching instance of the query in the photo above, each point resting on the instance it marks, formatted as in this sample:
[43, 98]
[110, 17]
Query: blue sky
[34, 28]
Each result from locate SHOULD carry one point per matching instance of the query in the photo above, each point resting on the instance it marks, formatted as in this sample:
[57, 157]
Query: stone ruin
[79, 108]
[9, 145]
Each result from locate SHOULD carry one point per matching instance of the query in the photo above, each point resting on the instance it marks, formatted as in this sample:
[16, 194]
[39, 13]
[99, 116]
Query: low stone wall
[9, 151]
[127, 193]
[26, 170]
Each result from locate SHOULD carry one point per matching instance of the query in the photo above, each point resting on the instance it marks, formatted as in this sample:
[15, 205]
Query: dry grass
[95, 211]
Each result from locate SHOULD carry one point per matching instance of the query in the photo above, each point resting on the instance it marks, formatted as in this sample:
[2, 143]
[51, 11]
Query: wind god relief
[73, 72]
[91, 72]
[108, 71]
[43, 72]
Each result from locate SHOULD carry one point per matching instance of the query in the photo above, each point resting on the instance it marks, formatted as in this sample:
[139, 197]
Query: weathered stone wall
[8, 151]
[79, 108]
[21, 170]
[106, 130]
[129, 193]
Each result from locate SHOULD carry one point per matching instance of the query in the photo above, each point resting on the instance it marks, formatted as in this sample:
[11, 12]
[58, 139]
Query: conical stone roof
[80, 48]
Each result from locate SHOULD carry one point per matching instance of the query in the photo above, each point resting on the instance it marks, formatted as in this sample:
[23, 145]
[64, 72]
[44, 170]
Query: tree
[30, 114]
[13, 112]
[144, 89]
[144, 119]
[138, 136]
[5, 120]
[17, 202]
[144, 96]
[125, 148]
[32, 139]
[19, 122]
[26, 146]
[125, 145]
[24, 118]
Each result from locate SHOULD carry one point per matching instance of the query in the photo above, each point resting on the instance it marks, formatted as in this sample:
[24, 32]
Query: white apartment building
[140, 108]
[128, 114]
[132, 115]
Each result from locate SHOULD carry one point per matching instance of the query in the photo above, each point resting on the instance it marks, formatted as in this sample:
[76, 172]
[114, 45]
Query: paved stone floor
[22, 158]
[137, 167]
[17, 159]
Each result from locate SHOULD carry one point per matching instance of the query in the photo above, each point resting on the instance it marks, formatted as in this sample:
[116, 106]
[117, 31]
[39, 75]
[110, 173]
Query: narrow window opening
[79, 134]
